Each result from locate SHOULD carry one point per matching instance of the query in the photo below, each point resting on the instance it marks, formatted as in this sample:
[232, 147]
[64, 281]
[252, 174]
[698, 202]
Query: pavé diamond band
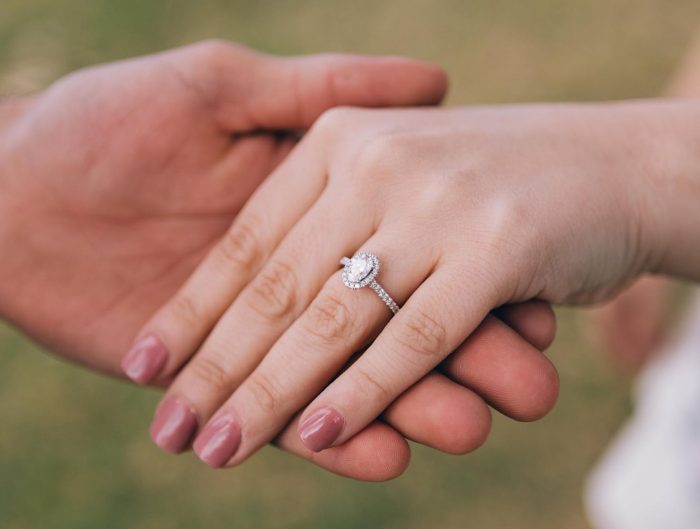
[361, 271]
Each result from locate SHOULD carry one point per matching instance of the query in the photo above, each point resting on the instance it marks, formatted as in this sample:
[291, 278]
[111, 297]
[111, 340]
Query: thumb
[294, 92]
[256, 91]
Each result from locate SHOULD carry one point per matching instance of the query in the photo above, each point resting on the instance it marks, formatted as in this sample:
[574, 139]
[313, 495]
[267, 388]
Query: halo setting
[360, 271]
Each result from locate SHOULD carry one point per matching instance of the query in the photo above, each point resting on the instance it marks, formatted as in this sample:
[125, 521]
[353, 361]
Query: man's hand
[120, 178]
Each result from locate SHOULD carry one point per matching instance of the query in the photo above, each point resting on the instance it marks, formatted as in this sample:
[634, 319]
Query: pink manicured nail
[218, 441]
[173, 425]
[320, 430]
[145, 359]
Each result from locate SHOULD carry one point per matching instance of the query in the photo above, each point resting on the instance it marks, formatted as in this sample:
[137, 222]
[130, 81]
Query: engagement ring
[361, 271]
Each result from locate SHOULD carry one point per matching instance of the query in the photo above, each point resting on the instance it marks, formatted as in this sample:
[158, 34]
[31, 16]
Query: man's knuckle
[204, 65]
[273, 291]
[329, 318]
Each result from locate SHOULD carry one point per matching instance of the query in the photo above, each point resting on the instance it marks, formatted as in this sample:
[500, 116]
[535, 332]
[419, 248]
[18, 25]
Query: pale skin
[469, 209]
[117, 181]
[632, 327]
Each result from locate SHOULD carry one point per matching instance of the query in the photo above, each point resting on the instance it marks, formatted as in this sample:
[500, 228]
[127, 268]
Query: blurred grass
[73, 447]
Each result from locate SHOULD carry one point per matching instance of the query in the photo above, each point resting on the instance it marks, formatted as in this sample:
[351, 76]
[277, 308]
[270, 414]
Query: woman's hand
[468, 210]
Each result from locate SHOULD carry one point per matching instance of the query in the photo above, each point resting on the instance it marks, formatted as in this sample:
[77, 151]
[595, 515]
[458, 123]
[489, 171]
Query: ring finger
[260, 314]
[443, 414]
[316, 346]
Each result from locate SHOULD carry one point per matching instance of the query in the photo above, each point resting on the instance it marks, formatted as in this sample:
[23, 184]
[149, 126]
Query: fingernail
[145, 359]
[173, 425]
[218, 441]
[320, 430]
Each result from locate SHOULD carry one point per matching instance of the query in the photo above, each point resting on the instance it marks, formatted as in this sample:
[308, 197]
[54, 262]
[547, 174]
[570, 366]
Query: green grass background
[74, 452]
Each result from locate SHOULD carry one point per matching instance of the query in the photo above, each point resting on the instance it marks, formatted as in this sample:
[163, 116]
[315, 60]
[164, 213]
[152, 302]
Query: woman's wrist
[669, 213]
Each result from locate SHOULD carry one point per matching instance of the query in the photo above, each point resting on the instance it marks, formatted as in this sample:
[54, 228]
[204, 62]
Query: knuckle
[329, 318]
[187, 311]
[369, 384]
[214, 49]
[380, 157]
[367, 168]
[333, 121]
[508, 213]
[210, 370]
[507, 226]
[273, 291]
[421, 335]
[335, 117]
[240, 246]
[266, 394]
[372, 154]
[207, 62]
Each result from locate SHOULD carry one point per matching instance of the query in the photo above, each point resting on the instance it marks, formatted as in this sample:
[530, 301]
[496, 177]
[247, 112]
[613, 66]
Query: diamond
[361, 271]
[359, 268]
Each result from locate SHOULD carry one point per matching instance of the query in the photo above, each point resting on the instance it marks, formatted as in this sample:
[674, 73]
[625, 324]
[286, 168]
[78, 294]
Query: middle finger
[316, 346]
[259, 315]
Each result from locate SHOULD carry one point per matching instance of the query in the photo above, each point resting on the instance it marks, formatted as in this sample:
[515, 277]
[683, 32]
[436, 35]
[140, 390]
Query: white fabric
[649, 478]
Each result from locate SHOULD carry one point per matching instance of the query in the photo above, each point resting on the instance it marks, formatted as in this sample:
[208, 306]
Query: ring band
[361, 271]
